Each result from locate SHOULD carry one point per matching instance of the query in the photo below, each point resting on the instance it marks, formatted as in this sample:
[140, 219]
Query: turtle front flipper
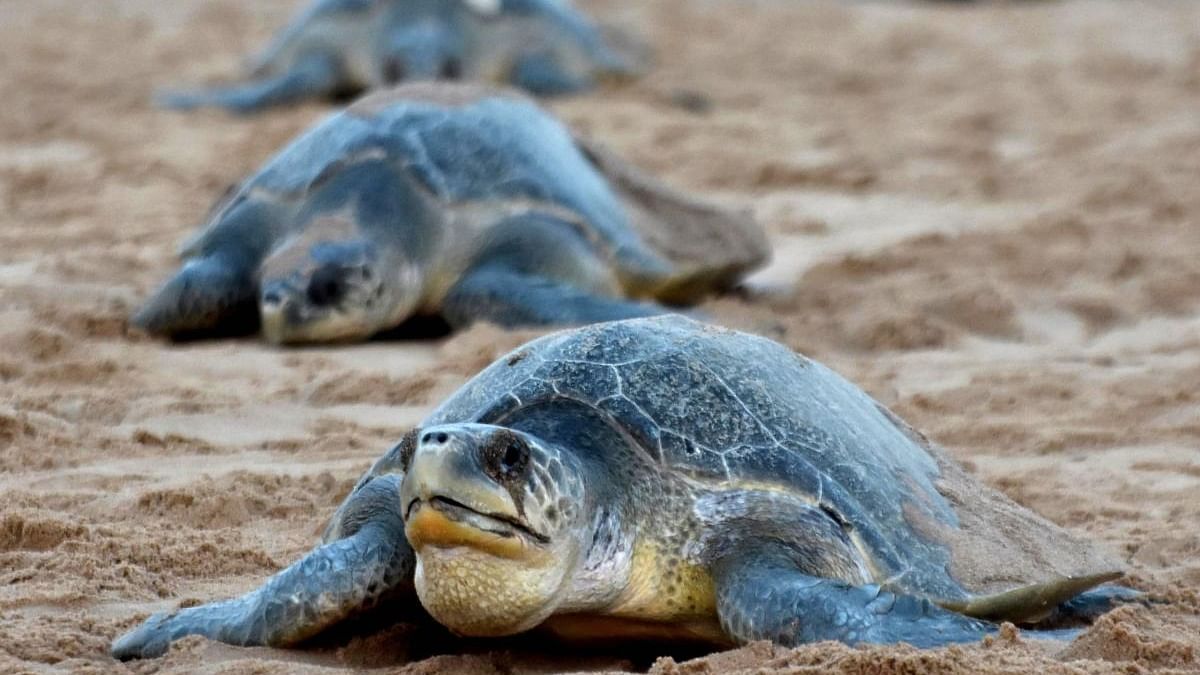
[762, 595]
[312, 76]
[536, 269]
[216, 290]
[209, 293]
[542, 74]
[372, 562]
[511, 298]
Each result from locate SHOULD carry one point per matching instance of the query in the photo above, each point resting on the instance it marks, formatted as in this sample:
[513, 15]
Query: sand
[985, 215]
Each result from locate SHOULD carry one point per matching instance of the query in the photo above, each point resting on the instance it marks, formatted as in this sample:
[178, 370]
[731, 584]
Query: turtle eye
[326, 286]
[451, 69]
[512, 456]
[394, 71]
[506, 458]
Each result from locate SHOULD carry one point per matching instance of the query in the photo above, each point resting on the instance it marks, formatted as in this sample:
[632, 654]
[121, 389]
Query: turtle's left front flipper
[541, 74]
[763, 596]
[511, 298]
[371, 562]
[537, 270]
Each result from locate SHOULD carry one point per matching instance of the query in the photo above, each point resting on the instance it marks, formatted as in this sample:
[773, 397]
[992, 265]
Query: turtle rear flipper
[1034, 602]
[709, 247]
[315, 75]
[621, 55]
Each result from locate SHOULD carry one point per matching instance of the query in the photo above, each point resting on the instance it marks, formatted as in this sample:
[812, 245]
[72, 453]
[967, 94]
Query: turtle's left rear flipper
[708, 248]
[1092, 604]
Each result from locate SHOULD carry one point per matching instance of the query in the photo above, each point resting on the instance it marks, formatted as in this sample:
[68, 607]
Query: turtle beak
[448, 499]
[273, 308]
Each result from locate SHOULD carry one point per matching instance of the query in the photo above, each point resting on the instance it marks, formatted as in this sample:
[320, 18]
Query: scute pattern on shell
[728, 410]
[498, 147]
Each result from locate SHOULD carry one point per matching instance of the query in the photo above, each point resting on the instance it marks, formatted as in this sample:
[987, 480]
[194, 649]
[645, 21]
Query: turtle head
[495, 517]
[334, 284]
[425, 41]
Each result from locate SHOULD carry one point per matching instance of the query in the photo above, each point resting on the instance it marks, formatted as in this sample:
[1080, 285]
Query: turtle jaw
[290, 317]
[445, 522]
[273, 320]
[450, 501]
[282, 323]
[480, 574]
[489, 561]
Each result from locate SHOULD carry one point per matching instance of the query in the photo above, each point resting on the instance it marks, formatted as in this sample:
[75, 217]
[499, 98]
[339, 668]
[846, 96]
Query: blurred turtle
[666, 479]
[339, 47]
[452, 200]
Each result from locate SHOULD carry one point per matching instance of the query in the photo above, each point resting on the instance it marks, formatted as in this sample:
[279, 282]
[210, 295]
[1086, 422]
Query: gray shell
[731, 410]
[498, 148]
[556, 15]
[472, 144]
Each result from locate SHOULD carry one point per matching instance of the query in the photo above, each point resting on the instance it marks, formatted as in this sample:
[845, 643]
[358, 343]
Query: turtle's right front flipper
[761, 595]
[207, 294]
[217, 287]
[371, 563]
[313, 76]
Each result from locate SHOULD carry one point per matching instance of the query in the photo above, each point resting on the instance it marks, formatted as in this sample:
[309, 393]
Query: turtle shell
[728, 411]
[470, 144]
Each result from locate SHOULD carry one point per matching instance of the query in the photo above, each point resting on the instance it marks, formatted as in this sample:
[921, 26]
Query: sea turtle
[345, 46]
[664, 478]
[451, 199]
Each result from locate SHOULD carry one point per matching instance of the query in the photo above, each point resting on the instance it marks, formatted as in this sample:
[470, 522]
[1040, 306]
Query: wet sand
[984, 215]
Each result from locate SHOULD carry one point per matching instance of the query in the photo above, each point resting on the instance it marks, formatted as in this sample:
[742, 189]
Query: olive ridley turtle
[336, 47]
[664, 478]
[446, 199]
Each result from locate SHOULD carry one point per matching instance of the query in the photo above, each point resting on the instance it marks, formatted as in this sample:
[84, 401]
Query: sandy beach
[986, 215]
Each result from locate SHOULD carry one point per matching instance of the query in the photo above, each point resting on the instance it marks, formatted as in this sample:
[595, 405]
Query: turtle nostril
[272, 298]
[440, 437]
